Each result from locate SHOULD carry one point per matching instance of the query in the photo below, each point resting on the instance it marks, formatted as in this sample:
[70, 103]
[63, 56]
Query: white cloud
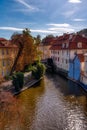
[74, 1]
[69, 13]
[63, 30]
[78, 20]
[32, 30]
[11, 28]
[32, 8]
[42, 31]
[59, 25]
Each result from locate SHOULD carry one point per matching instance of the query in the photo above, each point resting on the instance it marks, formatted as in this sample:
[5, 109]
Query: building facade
[65, 48]
[8, 53]
[44, 47]
[83, 76]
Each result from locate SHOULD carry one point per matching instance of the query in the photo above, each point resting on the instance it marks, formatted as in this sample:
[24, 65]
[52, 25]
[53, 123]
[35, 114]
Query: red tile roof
[2, 39]
[6, 43]
[72, 40]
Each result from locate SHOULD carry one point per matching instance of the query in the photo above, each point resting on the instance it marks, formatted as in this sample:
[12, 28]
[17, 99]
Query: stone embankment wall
[8, 84]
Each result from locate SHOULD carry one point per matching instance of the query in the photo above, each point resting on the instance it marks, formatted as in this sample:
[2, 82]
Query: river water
[54, 104]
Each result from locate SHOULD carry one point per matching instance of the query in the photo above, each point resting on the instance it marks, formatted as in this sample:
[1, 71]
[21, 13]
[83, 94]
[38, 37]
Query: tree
[37, 43]
[38, 40]
[18, 40]
[26, 50]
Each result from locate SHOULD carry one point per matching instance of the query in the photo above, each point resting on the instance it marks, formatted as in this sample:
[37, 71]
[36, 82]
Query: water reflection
[54, 104]
[28, 102]
[74, 89]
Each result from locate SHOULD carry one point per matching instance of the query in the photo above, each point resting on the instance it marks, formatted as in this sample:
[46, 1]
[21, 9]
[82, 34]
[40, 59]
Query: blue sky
[42, 16]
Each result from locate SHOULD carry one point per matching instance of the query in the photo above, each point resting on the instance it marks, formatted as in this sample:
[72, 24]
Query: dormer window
[63, 45]
[67, 45]
[79, 45]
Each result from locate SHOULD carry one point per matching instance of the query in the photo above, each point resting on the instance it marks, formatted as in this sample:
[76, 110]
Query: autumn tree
[38, 43]
[26, 50]
[38, 40]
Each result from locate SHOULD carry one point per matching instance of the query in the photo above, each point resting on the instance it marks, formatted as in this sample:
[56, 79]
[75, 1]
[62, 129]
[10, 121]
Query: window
[3, 63]
[2, 51]
[79, 45]
[66, 61]
[67, 52]
[2, 73]
[7, 51]
[63, 45]
[67, 45]
[58, 58]
[7, 72]
[8, 62]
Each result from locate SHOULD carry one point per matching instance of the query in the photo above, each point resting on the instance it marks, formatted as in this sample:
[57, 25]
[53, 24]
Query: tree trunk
[16, 60]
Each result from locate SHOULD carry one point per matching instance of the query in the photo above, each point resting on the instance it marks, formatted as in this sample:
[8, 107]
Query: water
[54, 104]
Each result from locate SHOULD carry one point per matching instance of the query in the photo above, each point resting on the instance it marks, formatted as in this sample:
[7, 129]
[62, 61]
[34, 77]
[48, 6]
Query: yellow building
[8, 52]
[44, 47]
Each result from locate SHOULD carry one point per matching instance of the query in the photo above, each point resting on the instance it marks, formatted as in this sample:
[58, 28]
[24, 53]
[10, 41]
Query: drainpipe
[73, 70]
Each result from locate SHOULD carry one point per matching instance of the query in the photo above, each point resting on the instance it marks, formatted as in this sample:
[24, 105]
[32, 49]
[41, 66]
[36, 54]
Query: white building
[65, 49]
[83, 78]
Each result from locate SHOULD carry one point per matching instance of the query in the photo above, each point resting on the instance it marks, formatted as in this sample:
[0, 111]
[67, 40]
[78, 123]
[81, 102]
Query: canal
[54, 104]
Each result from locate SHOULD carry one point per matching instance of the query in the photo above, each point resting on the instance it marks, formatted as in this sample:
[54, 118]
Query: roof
[3, 39]
[72, 40]
[6, 43]
[48, 41]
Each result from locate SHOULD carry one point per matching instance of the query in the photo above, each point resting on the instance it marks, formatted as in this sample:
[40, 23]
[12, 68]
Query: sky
[42, 17]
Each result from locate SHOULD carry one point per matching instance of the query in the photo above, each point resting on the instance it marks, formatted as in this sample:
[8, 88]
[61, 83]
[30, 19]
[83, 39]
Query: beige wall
[7, 56]
[46, 53]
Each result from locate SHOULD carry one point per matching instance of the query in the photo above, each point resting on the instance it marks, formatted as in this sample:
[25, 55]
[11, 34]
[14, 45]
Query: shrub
[38, 71]
[20, 77]
[15, 82]
[18, 80]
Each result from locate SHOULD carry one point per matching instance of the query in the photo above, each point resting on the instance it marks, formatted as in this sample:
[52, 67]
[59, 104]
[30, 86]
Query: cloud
[69, 13]
[63, 30]
[11, 28]
[59, 25]
[42, 31]
[78, 20]
[32, 30]
[74, 1]
[32, 8]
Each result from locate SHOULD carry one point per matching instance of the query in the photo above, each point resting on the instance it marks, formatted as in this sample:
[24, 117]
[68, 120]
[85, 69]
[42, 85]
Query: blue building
[74, 68]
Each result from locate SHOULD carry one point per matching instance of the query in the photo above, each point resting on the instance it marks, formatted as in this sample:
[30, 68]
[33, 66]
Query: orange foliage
[10, 114]
[27, 50]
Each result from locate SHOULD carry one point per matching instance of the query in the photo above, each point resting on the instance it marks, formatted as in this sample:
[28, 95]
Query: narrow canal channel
[55, 104]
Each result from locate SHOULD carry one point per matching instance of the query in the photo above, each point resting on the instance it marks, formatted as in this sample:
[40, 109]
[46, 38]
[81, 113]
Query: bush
[38, 70]
[20, 77]
[15, 82]
[18, 80]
